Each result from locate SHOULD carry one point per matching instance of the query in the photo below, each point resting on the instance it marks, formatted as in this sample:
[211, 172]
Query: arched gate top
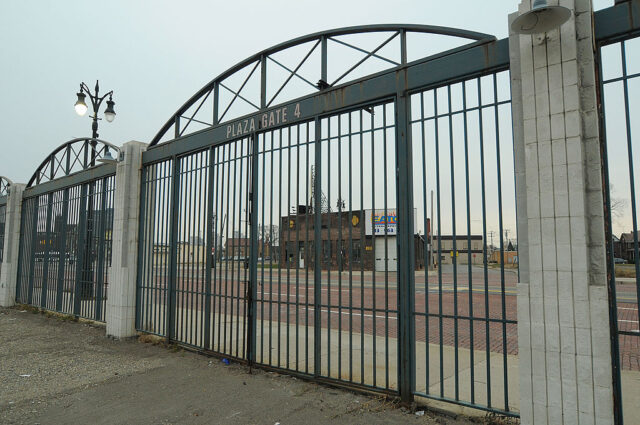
[320, 38]
[5, 183]
[71, 157]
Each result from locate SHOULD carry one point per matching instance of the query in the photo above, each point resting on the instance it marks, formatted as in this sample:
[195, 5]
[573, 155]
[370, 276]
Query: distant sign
[377, 221]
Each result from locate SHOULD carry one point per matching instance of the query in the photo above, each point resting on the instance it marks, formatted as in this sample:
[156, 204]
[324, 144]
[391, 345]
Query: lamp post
[87, 282]
[81, 106]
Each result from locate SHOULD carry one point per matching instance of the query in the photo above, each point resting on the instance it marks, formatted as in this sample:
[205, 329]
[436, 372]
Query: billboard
[377, 220]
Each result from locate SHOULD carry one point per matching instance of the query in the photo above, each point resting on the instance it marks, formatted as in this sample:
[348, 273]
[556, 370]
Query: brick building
[350, 240]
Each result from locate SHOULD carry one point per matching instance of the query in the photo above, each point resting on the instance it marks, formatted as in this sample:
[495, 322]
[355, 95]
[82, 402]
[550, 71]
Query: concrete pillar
[563, 319]
[121, 301]
[9, 272]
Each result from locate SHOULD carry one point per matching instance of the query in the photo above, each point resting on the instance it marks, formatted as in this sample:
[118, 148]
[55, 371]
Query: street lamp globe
[110, 113]
[81, 106]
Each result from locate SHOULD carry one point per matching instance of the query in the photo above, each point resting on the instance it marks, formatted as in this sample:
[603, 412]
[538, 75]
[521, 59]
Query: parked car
[617, 260]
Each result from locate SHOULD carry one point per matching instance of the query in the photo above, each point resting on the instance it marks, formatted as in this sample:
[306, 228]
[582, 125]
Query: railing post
[121, 302]
[9, 272]
[563, 317]
[406, 254]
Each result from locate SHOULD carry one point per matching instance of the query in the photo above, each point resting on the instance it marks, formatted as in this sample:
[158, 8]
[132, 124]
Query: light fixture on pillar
[107, 158]
[541, 18]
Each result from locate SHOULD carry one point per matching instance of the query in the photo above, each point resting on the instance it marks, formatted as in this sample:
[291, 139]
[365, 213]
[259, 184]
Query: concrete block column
[563, 320]
[9, 273]
[121, 302]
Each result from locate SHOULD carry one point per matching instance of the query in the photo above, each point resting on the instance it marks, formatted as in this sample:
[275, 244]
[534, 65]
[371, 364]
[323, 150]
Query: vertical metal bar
[330, 254]
[339, 248]
[297, 250]
[403, 47]
[101, 250]
[209, 250]
[230, 225]
[362, 250]
[62, 247]
[406, 255]
[239, 244]
[484, 240]
[81, 246]
[32, 257]
[317, 237]
[427, 225]
[249, 285]
[386, 247]
[469, 253]
[288, 303]
[271, 228]
[306, 252]
[143, 246]
[280, 167]
[323, 59]
[264, 193]
[373, 248]
[217, 259]
[263, 82]
[350, 251]
[454, 255]
[170, 313]
[177, 126]
[613, 303]
[437, 154]
[502, 281]
[45, 261]
[216, 102]
[253, 255]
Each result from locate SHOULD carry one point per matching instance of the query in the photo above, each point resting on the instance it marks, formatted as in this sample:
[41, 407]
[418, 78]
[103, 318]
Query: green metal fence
[618, 42]
[298, 237]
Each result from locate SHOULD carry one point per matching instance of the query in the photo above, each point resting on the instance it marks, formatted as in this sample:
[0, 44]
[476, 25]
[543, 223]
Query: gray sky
[156, 54]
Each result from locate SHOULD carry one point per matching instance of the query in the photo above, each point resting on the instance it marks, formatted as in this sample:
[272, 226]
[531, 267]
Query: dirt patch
[54, 370]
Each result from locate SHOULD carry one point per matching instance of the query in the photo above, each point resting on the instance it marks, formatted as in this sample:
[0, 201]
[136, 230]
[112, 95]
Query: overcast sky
[156, 54]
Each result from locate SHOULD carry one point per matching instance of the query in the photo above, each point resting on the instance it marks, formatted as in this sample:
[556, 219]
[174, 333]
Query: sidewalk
[55, 371]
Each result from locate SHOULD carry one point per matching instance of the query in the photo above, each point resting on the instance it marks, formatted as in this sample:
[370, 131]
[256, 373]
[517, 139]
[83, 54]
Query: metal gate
[618, 42]
[66, 229]
[259, 227]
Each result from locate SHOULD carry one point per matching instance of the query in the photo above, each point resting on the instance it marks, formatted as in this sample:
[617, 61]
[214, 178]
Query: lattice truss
[307, 65]
[4, 186]
[71, 157]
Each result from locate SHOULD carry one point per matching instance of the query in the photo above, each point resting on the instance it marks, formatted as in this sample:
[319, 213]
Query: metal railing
[619, 86]
[65, 248]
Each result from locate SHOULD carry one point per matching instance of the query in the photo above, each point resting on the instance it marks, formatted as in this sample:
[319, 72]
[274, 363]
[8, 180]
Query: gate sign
[377, 220]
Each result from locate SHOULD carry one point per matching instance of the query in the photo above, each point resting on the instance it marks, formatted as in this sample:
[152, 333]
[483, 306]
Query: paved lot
[53, 371]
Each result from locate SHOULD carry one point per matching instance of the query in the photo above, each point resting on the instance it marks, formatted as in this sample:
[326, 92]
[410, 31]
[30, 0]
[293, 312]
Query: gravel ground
[55, 371]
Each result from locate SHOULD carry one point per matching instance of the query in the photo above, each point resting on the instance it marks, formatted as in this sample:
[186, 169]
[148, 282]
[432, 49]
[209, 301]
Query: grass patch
[625, 270]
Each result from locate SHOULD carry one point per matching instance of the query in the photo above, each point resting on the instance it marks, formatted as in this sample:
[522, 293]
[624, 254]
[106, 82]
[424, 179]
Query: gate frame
[484, 56]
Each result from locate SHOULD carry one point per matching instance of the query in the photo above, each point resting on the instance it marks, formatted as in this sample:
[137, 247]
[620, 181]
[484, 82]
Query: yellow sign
[451, 253]
[355, 220]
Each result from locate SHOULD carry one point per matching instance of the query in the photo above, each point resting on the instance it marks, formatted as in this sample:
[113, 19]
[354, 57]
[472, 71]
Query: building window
[355, 251]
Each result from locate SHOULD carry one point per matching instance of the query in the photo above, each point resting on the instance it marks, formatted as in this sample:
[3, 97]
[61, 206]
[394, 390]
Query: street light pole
[87, 284]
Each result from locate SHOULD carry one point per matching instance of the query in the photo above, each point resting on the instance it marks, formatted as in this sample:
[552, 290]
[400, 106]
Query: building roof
[626, 237]
[459, 237]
